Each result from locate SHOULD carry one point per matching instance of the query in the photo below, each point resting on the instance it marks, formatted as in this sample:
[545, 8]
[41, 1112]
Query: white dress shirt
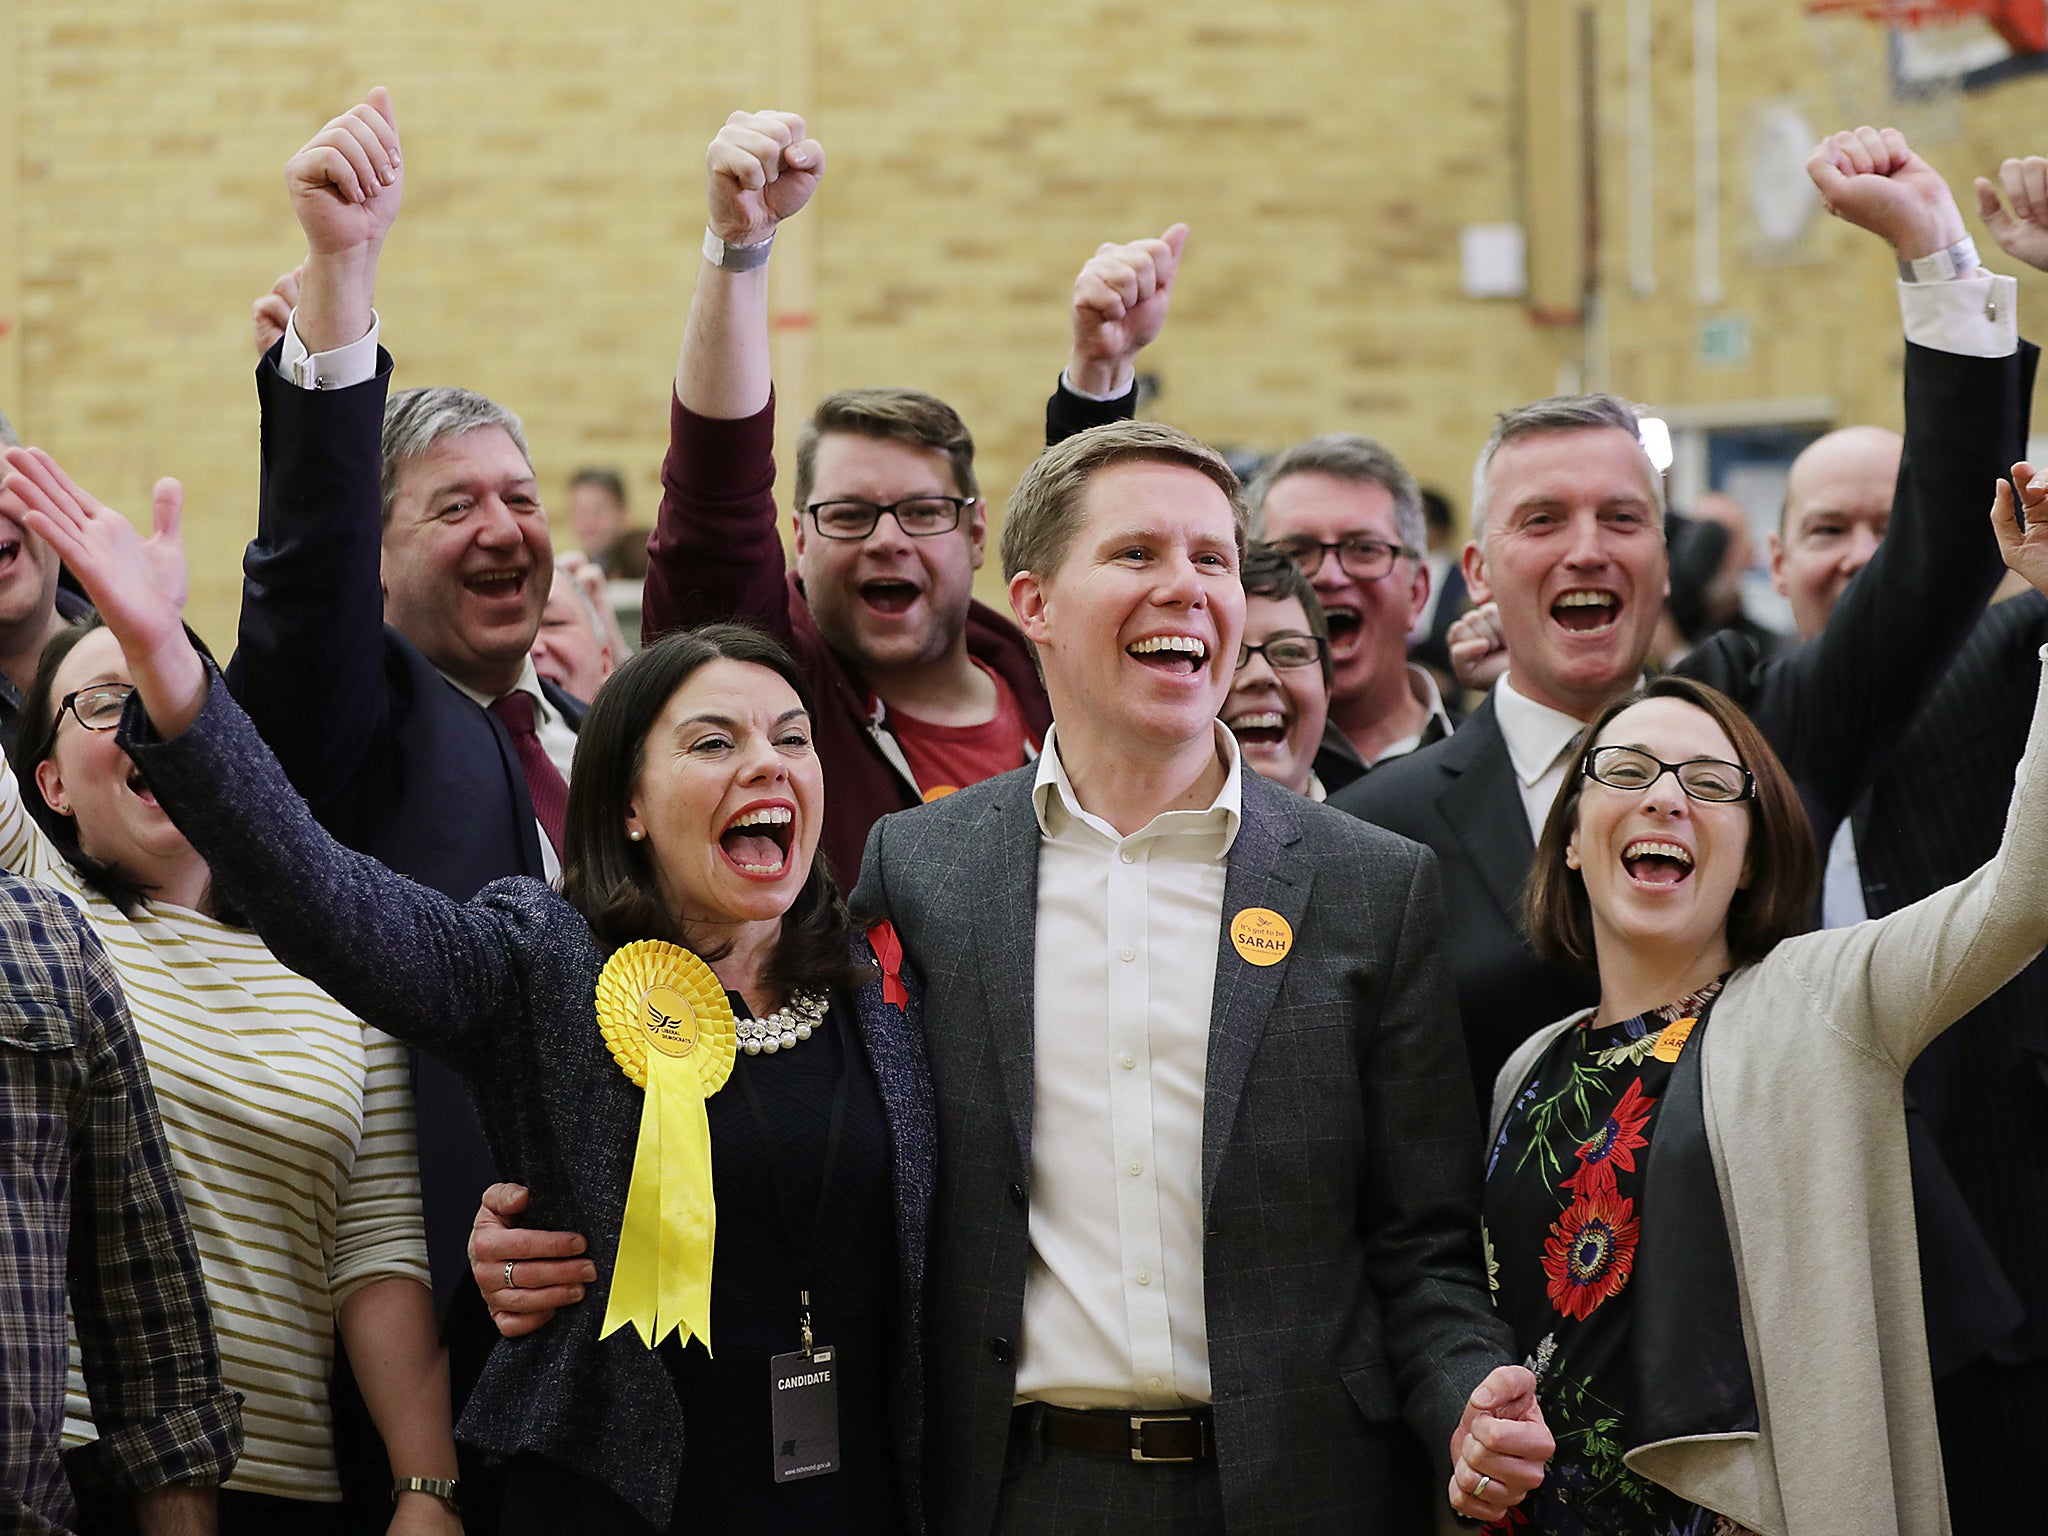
[356, 363]
[1127, 935]
[1539, 741]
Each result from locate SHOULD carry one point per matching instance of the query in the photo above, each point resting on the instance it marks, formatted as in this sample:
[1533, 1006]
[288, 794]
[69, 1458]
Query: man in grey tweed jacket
[1233, 1290]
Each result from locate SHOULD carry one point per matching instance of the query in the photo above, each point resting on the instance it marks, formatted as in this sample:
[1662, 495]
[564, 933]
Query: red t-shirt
[944, 758]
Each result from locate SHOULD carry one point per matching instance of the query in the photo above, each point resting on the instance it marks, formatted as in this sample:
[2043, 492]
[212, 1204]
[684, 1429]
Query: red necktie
[545, 786]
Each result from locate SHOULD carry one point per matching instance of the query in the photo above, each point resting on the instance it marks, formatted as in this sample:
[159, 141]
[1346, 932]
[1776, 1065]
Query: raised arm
[1901, 980]
[715, 552]
[1835, 709]
[1121, 296]
[439, 974]
[309, 662]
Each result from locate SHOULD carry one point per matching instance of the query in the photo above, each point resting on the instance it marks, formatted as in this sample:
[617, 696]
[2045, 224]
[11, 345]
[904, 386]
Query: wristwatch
[735, 258]
[1942, 265]
[446, 1489]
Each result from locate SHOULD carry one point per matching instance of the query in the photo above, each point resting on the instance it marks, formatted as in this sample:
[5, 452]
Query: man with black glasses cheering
[921, 690]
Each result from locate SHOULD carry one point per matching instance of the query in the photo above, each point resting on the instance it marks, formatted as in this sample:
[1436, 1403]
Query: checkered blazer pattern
[1340, 1164]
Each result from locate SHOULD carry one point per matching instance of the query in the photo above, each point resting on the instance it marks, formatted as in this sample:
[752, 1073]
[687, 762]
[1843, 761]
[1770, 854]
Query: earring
[636, 834]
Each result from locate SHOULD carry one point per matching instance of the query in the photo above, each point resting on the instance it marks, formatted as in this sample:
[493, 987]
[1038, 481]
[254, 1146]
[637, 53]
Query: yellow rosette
[670, 1027]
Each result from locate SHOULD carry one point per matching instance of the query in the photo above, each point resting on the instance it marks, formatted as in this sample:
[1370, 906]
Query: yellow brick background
[1326, 152]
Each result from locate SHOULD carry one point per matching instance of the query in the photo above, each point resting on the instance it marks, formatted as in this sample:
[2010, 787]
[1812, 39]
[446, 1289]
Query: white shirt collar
[529, 683]
[1057, 806]
[1535, 733]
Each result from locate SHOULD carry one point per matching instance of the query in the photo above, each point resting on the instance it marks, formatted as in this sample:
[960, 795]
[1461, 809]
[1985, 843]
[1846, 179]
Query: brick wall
[1326, 153]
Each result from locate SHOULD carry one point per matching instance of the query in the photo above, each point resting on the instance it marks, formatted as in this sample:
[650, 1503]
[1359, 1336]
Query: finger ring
[1479, 1488]
[510, 1283]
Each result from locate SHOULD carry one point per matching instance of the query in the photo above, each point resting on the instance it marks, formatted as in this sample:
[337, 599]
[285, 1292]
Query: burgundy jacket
[716, 555]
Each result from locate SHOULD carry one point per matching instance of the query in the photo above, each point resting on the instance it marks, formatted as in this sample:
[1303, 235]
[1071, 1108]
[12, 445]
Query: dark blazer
[394, 759]
[1935, 814]
[1340, 1161]
[502, 987]
[1834, 709]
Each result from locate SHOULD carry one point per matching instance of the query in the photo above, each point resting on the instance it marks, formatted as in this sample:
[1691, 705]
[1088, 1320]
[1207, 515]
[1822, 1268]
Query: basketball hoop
[2023, 24]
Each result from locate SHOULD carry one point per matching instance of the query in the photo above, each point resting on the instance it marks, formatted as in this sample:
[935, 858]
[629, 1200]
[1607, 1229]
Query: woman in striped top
[289, 1121]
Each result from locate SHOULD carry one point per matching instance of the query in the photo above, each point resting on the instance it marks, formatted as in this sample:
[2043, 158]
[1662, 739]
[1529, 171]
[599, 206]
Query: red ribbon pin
[889, 950]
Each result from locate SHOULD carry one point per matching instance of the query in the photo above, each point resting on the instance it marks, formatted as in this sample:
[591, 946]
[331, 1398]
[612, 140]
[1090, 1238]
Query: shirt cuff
[341, 368]
[1971, 316]
[1071, 388]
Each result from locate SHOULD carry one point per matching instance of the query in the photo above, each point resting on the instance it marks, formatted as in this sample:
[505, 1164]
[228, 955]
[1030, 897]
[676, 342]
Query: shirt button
[1136, 1169]
[1129, 1061]
[1144, 1277]
[1127, 953]
[1156, 1384]
[1128, 857]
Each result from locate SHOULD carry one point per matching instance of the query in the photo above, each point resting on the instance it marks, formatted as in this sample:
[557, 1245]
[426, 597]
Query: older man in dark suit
[391, 597]
[1569, 543]
[1204, 1229]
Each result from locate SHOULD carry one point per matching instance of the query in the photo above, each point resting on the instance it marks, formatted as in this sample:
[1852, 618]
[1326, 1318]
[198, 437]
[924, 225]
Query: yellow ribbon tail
[661, 1279]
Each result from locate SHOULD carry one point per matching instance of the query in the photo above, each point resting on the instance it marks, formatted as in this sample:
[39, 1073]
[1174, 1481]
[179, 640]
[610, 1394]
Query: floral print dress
[1562, 1215]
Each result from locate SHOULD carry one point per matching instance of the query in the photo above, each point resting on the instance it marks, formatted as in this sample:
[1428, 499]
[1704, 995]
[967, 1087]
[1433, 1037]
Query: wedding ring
[510, 1284]
[1478, 1489]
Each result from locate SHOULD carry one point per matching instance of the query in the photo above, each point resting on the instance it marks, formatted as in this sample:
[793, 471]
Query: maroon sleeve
[715, 552]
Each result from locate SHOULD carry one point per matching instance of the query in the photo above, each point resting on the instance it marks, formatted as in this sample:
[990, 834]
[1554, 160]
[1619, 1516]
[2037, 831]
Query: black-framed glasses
[1283, 652]
[921, 517]
[1703, 778]
[1362, 557]
[97, 708]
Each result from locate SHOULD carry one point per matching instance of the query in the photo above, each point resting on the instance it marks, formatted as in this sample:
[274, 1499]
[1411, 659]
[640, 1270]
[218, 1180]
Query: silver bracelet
[1942, 265]
[734, 258]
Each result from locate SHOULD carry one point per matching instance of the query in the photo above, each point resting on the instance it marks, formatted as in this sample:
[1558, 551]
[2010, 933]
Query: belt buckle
[1138, 1423]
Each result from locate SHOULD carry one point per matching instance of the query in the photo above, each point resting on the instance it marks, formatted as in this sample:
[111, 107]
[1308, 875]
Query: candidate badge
[1261, 935]
[669, 1026]
[1672, 1041]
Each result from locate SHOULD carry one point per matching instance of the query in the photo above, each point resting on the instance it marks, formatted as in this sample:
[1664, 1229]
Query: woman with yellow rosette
[688, 1054]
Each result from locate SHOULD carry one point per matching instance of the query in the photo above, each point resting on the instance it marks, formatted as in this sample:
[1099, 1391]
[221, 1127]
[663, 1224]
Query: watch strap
[1953, 261]
[446, 1489]
[735, 258]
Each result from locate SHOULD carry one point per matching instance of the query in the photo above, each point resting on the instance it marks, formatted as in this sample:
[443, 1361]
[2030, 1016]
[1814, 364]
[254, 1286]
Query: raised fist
[2022, 233]
[1120, 301]
[762, 170]
[347, 182]
[273, 312]
[1871, 178]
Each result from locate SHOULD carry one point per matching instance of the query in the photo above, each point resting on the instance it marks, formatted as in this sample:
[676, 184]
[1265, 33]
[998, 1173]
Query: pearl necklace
[780, 1030]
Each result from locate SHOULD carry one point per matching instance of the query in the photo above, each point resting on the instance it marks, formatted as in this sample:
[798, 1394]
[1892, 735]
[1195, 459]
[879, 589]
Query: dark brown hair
[1267, 573]
[900, 415]
[1784, 868]
[38, 739]
[610, 879]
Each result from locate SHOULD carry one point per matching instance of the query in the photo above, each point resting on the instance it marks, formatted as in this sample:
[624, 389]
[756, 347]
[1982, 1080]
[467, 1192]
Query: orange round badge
[1261, 935]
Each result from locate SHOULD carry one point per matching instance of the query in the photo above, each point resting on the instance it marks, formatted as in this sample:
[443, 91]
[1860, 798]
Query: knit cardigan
[1803, 1083]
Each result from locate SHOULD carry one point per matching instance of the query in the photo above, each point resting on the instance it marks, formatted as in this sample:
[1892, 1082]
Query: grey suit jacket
[1339, 1161]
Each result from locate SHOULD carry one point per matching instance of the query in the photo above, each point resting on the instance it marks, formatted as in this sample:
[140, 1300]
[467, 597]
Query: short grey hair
[565, 577]
[1560, 413]
[9, 438]
[416, 419]
[1346, 456]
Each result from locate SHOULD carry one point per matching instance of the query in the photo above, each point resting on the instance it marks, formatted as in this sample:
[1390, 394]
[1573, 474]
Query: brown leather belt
[1142, 1437]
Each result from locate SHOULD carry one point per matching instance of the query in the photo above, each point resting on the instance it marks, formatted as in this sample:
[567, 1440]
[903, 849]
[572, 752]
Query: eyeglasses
[1703, 778]
[921, 517]
[97, 708]
[1283, 653]
[1361, 557]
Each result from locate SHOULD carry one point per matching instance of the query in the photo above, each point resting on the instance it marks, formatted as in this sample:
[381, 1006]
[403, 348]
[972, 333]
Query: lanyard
[778, 1173]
